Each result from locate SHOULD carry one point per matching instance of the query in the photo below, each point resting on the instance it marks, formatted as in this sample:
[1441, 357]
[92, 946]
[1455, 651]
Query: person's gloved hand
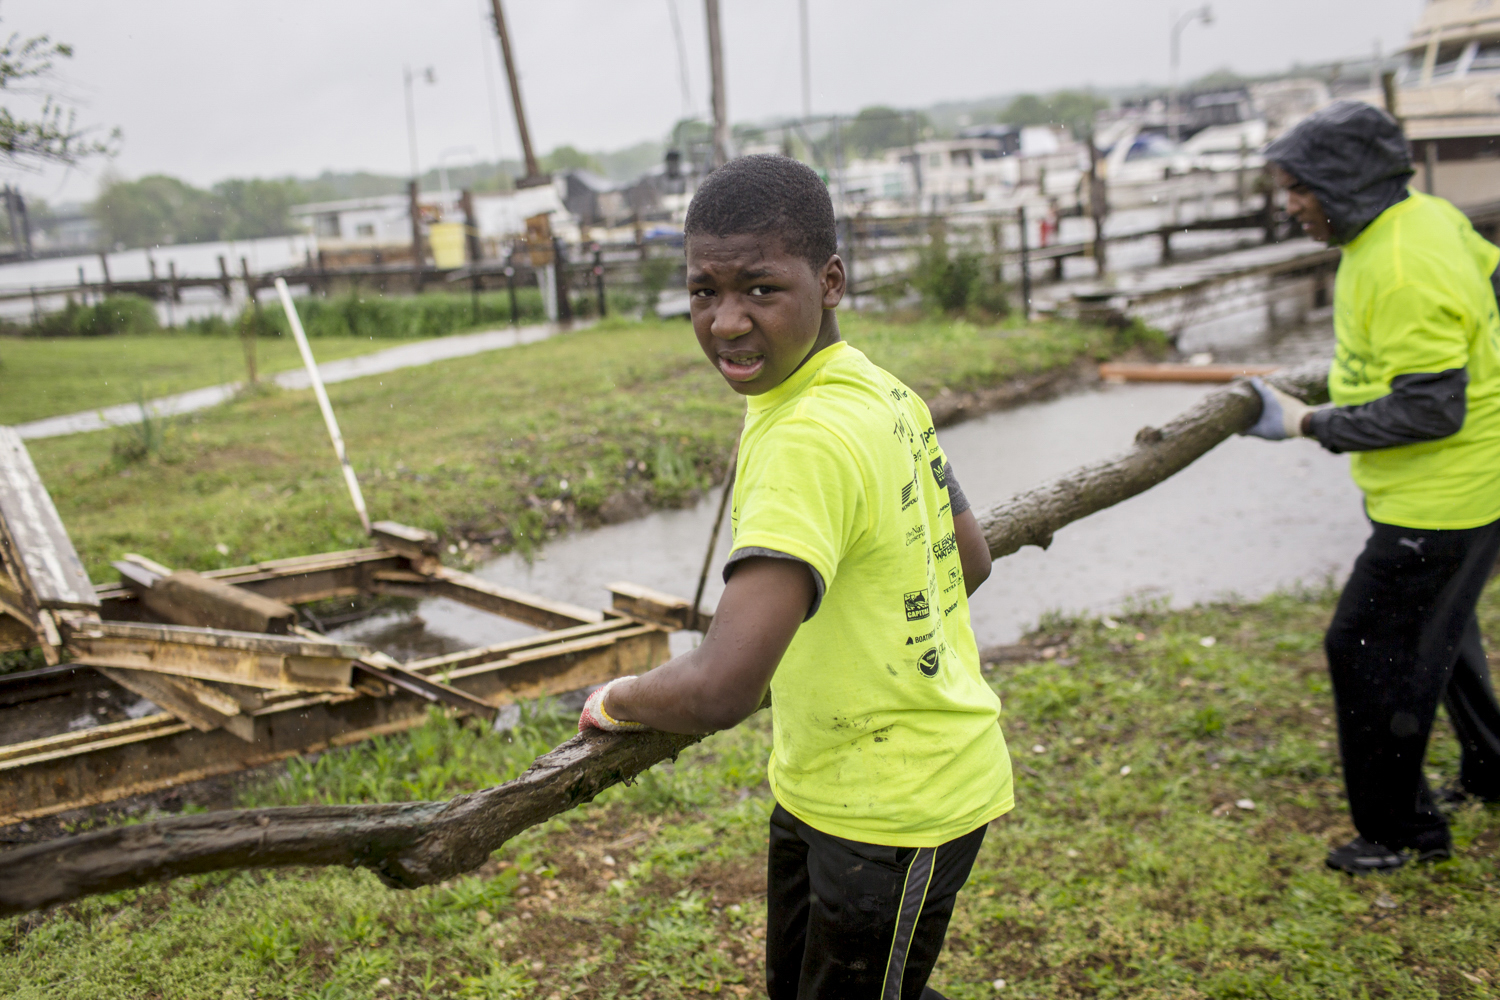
[1280, 414]
[595, 717]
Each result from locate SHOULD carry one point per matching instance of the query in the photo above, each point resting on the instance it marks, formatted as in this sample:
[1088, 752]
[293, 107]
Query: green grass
[1146, 884]
[45, 377]
[506, 448]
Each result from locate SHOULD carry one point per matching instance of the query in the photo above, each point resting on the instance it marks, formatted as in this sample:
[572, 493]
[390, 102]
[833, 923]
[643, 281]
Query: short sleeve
[1414, 329]
[800, 492]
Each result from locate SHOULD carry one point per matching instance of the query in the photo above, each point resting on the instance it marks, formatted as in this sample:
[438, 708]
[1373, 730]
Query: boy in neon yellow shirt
[847, 596]
[1415, 384]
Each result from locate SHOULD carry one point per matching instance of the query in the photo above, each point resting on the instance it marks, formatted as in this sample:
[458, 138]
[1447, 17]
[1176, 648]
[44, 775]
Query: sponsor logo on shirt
[949, 609]
[928, 435]
[954, 578]
[928, 663]
[915, 535]
[1355, 367]
[898, 393]
[909, 495]
[916, 605]
[937, 472]
[944, 509]
[945, 546]
[914, 639]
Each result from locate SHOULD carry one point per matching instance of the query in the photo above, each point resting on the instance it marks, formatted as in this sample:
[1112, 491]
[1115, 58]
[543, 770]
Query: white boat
[1448, 96]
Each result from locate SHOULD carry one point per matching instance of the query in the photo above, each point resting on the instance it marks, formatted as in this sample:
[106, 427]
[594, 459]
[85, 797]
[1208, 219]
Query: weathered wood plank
[34, 545]
[184, 597]
[209, 654]
[416, 544]
[654, 606]
[15, 633]
[99, 736]
[194, 702]
[492, 597]
[435, 666]
[426, 688]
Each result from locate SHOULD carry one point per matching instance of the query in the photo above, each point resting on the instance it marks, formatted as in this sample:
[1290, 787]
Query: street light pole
[1204, 14]
[411, 123]
[411, 116]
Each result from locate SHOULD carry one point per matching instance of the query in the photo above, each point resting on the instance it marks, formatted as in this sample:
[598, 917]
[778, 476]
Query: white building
[385, 220]
[985, 163]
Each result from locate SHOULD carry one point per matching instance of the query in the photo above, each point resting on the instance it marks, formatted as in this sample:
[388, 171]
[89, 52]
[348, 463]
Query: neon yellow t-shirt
[885, 731]
[1414, 296]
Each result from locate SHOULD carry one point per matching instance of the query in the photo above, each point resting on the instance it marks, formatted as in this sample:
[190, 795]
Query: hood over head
[1353, 157]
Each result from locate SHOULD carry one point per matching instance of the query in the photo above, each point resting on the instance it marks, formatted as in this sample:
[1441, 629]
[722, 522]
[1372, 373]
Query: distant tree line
[160, 210]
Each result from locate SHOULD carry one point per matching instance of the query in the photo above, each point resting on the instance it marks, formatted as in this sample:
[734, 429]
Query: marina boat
[1448, 95]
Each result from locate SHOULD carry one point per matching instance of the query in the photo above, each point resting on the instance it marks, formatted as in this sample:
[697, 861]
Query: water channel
[1246, 519]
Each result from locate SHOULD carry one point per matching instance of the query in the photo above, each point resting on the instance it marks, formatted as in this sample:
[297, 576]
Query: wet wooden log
[1031, 518]
[419, 843]
[407, 844]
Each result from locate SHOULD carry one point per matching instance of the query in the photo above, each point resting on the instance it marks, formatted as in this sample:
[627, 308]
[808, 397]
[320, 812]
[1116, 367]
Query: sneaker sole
[1366, 866]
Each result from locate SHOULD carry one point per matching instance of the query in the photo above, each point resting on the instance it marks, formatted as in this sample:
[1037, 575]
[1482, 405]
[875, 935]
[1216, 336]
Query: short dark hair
[767, 194]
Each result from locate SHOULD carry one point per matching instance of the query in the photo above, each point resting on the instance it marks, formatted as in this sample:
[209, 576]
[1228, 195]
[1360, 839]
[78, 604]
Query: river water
[1248, 518]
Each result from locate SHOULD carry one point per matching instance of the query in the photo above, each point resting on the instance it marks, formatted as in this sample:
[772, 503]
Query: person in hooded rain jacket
[1415, 385]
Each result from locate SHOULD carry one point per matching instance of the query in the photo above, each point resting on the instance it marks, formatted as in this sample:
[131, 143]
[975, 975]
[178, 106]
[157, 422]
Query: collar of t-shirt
[797, 380]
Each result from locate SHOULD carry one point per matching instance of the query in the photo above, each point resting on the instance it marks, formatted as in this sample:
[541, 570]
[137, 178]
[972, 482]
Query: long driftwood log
[419, 843]
[1032, 517]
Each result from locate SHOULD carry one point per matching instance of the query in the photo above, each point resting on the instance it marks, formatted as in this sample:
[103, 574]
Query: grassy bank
[47, 377]
[504, 448]
[107, 354]
[1175, 798]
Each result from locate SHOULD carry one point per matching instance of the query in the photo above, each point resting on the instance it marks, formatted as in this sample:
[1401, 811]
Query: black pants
[853, 921]
[1405, 636]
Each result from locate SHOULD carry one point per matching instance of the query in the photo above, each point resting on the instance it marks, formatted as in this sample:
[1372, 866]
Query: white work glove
[595, 717]
[1280, 414]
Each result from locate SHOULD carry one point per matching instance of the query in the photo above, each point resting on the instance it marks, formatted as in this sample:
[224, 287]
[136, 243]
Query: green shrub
[115, 314]
[956, 281]
[431, 314]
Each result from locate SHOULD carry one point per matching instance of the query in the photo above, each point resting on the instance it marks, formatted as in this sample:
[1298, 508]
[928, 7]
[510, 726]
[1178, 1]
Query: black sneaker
[1360, 856]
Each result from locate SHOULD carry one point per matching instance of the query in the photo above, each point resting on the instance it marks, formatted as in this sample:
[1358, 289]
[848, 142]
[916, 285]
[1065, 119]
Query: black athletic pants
[853, 921]
[1404, 637]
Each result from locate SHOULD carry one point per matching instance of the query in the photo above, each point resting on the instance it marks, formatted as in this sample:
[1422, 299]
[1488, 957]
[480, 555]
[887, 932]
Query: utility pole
[418, 257]
[806, 64]
[534, 176]
[716, 76]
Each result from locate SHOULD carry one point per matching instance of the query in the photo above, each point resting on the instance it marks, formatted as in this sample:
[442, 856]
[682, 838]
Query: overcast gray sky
[208, 89]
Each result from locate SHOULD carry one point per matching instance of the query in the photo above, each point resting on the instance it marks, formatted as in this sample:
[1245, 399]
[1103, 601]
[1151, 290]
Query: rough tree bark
[419, 843]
